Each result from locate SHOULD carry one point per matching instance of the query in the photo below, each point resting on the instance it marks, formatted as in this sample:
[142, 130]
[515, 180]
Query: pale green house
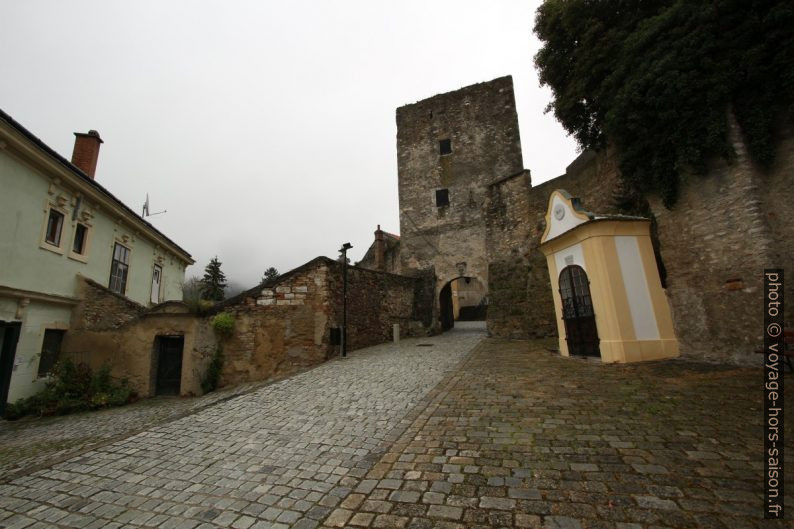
[56, 225]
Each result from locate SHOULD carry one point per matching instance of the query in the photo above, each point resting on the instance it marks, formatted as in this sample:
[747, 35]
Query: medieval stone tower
[450, 147]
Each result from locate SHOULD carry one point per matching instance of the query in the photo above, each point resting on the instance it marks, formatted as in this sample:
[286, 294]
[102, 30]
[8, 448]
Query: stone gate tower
[450, 147]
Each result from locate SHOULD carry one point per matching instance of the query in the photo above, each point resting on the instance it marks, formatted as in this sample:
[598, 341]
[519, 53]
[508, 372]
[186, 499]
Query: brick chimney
[380, 251]
[86, 151]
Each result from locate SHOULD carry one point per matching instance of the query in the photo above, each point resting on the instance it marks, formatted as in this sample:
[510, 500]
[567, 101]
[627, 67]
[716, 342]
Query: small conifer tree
[270, 273]
[214, 281]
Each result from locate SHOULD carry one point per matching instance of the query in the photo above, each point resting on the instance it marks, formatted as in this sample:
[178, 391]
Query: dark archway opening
[462, 299]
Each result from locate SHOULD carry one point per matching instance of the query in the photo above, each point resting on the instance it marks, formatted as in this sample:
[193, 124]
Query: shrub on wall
[223, 324]
[72, 388]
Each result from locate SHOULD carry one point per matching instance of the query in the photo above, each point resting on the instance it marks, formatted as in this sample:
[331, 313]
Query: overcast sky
[266, 129]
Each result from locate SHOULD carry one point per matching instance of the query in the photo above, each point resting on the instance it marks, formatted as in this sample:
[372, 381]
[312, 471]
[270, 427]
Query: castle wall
[481, 125]
[521, 304]
[716, 241]
[725, 228]
[376, 301]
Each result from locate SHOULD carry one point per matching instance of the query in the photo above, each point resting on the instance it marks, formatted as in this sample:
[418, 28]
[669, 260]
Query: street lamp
[343, 340]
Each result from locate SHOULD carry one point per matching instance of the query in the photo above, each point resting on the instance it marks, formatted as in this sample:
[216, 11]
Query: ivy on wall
[659, 79]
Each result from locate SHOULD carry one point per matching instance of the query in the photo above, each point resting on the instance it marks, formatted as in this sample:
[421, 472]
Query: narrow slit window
[445, 146]
[442, 197]
[78, 245]
[54, 227]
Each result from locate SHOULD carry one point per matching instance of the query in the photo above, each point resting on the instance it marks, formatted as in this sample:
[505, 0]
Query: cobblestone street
[281, 456]
[451, 431]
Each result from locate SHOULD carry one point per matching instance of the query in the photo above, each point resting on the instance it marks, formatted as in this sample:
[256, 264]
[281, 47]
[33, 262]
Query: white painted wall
[572, 255]
[639, 297]
[569, 220]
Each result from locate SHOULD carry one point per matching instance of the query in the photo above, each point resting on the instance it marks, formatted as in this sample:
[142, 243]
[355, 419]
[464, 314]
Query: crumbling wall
[280, 327]
[130, 351]
[102, 309]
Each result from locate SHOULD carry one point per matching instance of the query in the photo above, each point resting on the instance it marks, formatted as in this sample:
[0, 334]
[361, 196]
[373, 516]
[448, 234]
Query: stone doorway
[9, 335]
[168, 354]
[462, 299]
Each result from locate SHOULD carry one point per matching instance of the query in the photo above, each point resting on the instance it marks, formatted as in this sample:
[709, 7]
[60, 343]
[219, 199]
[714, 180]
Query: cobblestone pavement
[454, 435]
[281, 456]
[517, 437]
[30, 443]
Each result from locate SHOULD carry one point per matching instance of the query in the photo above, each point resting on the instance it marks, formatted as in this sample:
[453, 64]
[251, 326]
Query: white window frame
[127, 264]
[82, 257]
[155, 267]
[43, 242]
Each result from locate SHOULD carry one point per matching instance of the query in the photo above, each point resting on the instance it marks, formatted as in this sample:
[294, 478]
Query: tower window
[445, 146]
[442, 197]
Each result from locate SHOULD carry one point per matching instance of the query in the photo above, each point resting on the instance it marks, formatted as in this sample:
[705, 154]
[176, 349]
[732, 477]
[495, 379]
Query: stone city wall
[725, 228]
[520, 297]
[716, 241]
[375, 302]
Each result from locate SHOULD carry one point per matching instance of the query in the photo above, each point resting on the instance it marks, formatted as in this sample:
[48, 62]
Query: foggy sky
[265, 129]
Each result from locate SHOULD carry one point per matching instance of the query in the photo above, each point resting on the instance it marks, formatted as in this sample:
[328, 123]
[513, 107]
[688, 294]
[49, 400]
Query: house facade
[58, 226]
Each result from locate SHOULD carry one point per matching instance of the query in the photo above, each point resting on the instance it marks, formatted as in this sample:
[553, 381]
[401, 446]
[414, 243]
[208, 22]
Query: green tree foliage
[658, 79]
[270, 273]
[214, 281]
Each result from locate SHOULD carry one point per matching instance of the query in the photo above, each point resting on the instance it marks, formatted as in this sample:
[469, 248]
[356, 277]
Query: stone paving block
[490, 502]
[511, 437]
[652, 502]
[561, 522]
[406, 496]
[390, 521]
[445, 511]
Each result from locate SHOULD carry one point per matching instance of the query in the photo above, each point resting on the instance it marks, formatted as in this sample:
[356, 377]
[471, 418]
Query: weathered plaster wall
[130, 350]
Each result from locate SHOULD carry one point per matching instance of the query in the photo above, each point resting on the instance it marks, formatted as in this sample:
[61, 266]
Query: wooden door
[9, 335]
[169, 364]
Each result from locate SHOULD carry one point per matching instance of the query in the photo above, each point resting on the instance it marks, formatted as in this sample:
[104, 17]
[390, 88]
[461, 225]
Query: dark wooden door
[9, 335]
[169, 364]
[446, 310]
[581, 332]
